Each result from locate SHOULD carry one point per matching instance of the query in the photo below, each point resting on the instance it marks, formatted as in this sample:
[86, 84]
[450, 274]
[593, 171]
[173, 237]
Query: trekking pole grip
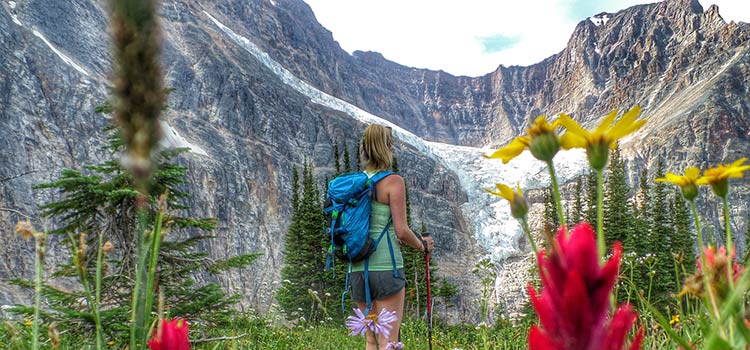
[424, 243]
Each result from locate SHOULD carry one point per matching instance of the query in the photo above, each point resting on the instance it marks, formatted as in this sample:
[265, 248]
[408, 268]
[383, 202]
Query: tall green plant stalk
[138, 309]
[727, 223]
[98, 291]
[556, 194]
[601, 245]
[39, 238]
[92, 299]
[527, 231]
[155, 243]
[706, 285]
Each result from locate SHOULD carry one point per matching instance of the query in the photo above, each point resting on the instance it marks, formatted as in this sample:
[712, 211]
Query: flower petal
[512, 150]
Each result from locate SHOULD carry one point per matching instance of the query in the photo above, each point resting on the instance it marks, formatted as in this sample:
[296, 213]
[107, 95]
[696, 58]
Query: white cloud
[447, 34]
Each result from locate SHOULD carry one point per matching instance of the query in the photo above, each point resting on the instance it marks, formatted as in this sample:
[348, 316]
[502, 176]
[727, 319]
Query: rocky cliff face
[248, 126]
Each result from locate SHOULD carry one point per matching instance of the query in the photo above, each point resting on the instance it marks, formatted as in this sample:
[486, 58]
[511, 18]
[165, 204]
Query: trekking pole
[429, 296]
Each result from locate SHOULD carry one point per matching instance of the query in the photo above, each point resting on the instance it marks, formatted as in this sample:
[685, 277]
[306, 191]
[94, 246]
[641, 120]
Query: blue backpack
[347, 211]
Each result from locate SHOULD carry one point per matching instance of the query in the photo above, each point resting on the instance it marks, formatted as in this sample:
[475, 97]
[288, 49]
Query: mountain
[260, 86]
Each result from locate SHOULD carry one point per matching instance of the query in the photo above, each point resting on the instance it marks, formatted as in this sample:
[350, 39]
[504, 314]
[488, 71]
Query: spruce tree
[551, 219]
[591, 198]
[347, 160]
[336, 160]
[617, 217]
[101, 200]
[683, 240]
[660, 242]
[306, 286]
[577, 212]
[295, 190]
[357, 158]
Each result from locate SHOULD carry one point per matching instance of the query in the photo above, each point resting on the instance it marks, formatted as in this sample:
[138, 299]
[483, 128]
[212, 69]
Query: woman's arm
[396, 191]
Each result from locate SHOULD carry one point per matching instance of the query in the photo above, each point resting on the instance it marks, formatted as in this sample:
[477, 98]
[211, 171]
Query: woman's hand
[427, 244]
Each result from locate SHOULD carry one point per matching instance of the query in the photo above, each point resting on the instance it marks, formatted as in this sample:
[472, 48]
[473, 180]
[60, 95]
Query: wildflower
[359, 324]
[603, 138]
[25, 230]
[394, 345]
[541, 140]
[719, 267]
[719, 176]
[575, 294]
[686, 182]
[518, 205]
[27, 322]
[171, 335]
[674, 320]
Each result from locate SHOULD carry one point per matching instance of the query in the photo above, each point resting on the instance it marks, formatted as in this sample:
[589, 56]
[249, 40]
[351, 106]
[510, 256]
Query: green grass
[257, 334]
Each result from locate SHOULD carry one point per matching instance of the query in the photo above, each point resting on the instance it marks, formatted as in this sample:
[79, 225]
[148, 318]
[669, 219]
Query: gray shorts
[382, 284]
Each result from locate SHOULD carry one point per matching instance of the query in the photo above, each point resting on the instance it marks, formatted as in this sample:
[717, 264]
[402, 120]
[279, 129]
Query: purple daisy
[394, 345]
[381, 324]
[359, 324]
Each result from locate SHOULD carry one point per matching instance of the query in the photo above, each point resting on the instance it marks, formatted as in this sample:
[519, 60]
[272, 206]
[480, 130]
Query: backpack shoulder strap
[379, 176]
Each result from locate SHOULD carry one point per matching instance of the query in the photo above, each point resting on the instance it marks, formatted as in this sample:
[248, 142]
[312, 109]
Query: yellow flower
[686, 182]
[27, 322]
[518, 205]
[719, 176]
[541, 140]
[603, 138]
[674, 319]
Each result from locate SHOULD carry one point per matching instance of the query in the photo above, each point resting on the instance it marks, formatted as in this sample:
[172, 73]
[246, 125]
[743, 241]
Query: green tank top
[380, 260]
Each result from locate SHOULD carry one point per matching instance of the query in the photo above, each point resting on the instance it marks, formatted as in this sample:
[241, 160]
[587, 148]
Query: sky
[470, 37]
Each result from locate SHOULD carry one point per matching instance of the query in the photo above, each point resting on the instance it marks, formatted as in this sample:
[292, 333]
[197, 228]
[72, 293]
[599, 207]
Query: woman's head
[375, 150]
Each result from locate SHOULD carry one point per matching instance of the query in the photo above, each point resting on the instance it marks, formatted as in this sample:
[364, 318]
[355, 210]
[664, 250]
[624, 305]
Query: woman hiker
[386, 290]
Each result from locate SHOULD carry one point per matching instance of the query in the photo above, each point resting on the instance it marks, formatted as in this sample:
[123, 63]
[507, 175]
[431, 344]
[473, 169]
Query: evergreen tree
[357, 158]
[336, 160]
[660, 242]
[295, 190]
[551, 219]
[577, 212]
[617, 216]
[591, 198]
[101, 200]
[306, 285]
[347, 160]
[683, 242]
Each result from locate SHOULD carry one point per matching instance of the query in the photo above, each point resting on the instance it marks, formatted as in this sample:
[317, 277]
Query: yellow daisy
[598, 142]
[686, 182]
[718, 177]
[540, 139]
[518, 205]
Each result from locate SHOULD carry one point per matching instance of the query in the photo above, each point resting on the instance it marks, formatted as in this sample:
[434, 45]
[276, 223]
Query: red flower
[171, 335]
[575, 296]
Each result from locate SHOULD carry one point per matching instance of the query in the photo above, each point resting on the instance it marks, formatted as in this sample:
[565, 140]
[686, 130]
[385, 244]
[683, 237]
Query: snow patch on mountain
[62, 56]
[172, 139]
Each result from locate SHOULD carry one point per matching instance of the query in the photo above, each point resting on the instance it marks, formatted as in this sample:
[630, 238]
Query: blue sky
[470, 37]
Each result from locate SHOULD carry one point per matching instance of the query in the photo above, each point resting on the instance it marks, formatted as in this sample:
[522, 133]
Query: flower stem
[138, 313]
[38, 264]
[706, 284]
[527, 231]
[728, 229]
[556, 193]
[98, 291]
[600, 213]
[155, 244]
